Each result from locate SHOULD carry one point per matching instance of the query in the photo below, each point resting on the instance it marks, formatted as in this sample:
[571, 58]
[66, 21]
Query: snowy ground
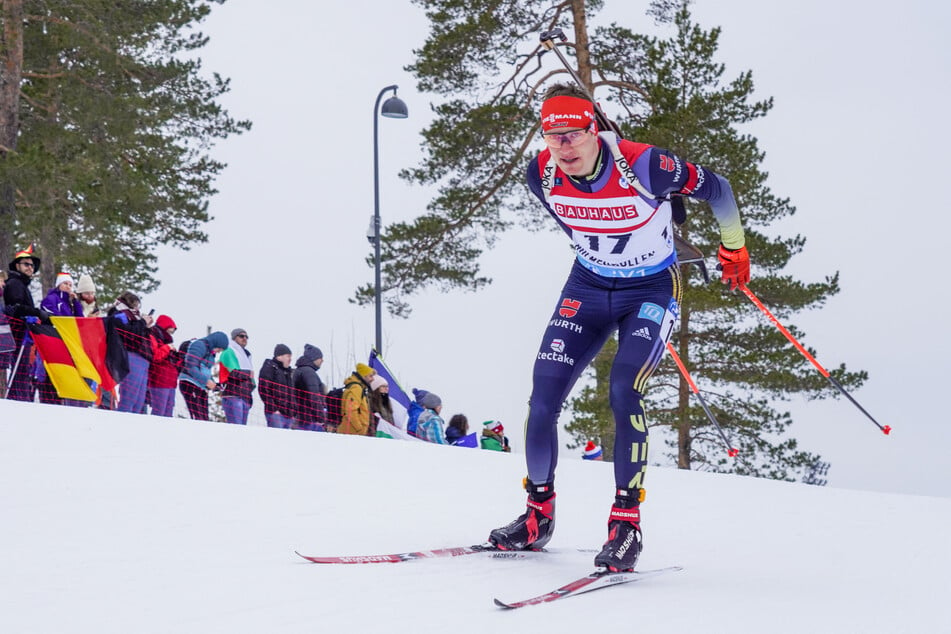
[122, 523]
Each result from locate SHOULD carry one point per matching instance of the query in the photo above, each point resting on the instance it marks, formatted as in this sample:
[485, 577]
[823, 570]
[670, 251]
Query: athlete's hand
[735, 266]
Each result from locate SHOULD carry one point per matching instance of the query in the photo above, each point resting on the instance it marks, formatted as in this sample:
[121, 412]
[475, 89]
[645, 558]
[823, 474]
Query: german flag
[86, 339]
[59, 364]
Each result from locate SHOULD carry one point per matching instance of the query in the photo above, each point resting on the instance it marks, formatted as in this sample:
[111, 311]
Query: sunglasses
[241, 336]
[28, 263]
[557, 139]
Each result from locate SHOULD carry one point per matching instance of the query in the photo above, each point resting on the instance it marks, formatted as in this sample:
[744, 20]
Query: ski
[588, 583]
[396, 558]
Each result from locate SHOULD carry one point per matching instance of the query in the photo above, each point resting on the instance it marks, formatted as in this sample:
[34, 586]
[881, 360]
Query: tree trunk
[683, 400]
[581, 44]
[11, 73]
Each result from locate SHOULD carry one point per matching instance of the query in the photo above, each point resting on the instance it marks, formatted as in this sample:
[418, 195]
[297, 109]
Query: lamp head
[394, 108]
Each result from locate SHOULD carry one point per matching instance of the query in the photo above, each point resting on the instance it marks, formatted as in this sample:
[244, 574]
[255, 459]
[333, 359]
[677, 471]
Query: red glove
[735, 266]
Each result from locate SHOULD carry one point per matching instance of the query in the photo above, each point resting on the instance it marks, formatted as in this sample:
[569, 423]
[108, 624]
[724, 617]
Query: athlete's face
[575, 151]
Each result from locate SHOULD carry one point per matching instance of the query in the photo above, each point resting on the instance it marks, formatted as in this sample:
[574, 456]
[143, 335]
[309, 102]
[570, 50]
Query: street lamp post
[393, 108]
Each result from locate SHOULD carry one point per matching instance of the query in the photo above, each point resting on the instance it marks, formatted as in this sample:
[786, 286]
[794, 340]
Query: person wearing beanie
[625, 279]
[87, 295]
[236, 374]
[276, 388]
[355, 402]
[380, 406]
[415, 409]
[310, 392]
[133, 330]
[62, 300]
[493, 437]
[195, 380]
[19, 305]
[163, 371]
[430, 426]
[592, 452]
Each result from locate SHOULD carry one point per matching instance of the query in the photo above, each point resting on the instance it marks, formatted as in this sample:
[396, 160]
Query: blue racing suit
[626, 279]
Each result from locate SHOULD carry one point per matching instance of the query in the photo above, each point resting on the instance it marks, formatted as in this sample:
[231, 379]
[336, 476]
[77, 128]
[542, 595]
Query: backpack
[415, 409]
[178, 359]
[334, 411]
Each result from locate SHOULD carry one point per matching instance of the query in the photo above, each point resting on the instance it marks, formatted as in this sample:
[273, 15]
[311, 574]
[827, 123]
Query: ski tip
[502, 604]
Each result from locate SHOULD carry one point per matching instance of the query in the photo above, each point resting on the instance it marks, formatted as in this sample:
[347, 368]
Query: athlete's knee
[542, 411]
[622, 395]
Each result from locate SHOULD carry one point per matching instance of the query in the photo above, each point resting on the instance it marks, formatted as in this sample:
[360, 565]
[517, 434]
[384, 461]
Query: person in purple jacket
[62, 301]
[612, 198]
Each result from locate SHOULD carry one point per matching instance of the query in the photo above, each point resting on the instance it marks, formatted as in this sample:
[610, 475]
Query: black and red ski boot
[624, 544]
[533, 529]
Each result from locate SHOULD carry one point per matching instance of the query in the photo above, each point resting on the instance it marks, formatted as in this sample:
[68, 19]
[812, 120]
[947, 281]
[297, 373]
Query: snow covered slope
[123, 523]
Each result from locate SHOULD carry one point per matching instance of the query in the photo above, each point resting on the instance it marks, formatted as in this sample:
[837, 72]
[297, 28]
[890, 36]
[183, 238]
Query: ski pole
[23, 344]
[546, 38]
[731, 451]
[886, 429]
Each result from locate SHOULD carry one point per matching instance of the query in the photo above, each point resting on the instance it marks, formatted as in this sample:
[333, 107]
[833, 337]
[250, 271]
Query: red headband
[565, 111]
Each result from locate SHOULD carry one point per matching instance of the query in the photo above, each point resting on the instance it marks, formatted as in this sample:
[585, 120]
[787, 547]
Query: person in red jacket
[166, 364]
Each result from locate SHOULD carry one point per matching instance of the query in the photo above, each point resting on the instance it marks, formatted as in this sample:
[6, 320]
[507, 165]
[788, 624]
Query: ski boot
[533, 529]
[624, 544]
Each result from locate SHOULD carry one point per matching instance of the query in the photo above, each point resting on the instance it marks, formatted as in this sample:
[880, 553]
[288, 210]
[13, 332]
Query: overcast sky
[854, 139]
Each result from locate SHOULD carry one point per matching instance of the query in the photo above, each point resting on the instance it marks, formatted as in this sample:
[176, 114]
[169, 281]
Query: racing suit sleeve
[662, 172]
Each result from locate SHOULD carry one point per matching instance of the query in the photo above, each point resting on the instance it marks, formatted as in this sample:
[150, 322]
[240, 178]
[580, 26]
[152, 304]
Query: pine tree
[482, 60]
[116, 121]
[741, 363]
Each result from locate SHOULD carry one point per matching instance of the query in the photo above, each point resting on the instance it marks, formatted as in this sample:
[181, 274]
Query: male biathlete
[625, 278]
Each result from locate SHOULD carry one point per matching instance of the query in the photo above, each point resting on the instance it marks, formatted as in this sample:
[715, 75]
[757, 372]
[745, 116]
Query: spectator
[237, 377]
[309, 391]
[7, 344]
[592, 452]
[276, 388]
[195, 377]
[19, 306]
[493, 436]
[355, 403]
[62, 301]
[380, 406]
[458, 429]
[166, 363]
[429, 426]
[134, 331]
[87, 295]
